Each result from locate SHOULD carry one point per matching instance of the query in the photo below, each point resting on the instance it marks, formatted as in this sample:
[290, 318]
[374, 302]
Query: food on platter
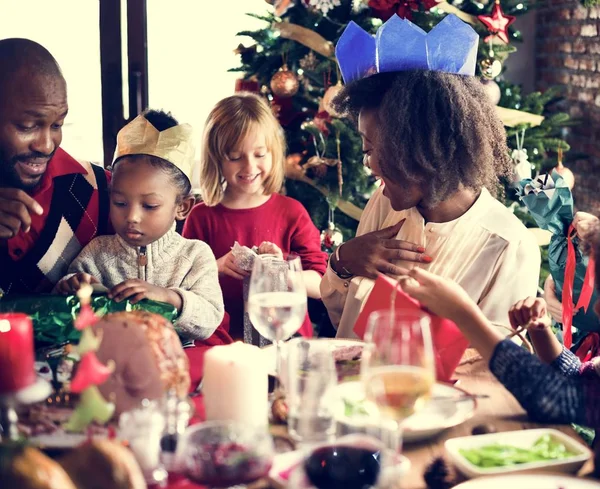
[25, 467]
[347, 360]
[102, 464]
[148, 356]
[500, 455]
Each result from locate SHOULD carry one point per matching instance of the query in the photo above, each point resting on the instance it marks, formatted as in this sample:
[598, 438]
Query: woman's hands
[375, 252]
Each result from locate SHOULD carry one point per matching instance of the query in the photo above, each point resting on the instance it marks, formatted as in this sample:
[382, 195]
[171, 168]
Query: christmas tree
[292, 62]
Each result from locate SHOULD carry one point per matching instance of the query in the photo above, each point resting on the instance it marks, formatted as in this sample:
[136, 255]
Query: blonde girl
[241, 174]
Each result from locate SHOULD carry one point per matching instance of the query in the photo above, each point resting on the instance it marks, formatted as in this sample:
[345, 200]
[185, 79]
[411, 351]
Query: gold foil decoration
[174, 144]
[306, 37]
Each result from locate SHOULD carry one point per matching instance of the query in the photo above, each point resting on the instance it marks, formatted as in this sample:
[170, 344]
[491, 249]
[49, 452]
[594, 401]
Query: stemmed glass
[223, 454]
[397, 368]
[277, 300]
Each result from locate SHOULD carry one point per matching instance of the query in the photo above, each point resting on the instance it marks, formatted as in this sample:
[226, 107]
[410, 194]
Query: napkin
[449, 344]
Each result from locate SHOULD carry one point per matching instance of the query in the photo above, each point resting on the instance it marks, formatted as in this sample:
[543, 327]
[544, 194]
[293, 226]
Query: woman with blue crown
[434, 140]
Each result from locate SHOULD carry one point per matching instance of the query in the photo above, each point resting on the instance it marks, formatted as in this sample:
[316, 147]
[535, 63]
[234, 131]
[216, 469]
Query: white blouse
[487, 250]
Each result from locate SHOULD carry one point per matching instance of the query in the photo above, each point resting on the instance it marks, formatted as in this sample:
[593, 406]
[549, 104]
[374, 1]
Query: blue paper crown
[400, 45]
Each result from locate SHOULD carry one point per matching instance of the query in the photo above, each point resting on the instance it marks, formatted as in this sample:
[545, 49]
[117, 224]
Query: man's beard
[9, 177]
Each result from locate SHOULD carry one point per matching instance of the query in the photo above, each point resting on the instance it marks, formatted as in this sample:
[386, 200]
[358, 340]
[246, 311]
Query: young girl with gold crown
[147, 259]
[241, 173]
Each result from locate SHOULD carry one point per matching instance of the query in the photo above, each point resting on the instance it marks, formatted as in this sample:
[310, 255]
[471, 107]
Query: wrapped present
[449, 344]
[53, 315]
[550, 202]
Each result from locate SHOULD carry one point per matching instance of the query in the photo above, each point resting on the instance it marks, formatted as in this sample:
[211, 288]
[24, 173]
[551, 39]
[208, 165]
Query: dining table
[496, 408]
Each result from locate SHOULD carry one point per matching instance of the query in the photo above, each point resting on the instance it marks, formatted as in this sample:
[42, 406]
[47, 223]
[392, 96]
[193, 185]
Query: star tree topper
[497, 23]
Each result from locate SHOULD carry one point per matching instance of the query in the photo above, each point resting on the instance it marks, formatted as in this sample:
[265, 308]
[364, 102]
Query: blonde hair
[228, 124]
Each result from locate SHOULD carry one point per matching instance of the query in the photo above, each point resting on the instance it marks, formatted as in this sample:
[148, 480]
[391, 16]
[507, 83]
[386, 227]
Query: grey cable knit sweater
[186, 266]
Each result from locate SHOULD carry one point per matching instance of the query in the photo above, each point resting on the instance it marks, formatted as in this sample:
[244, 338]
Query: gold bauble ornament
[492, 90]
[566, 174]
[332, 92]
[490, 68]
[284, 83]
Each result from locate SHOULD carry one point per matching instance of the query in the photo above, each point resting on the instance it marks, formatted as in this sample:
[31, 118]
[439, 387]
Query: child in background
[241, 173]
[147, 259]
[554, 387]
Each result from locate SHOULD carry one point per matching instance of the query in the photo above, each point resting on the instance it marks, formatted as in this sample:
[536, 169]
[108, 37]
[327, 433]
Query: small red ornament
[497, 23]
[86, 317]
[285, 83]
[90, 371]
[384, 9]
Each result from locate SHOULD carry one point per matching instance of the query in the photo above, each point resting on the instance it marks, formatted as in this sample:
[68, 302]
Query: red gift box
[449, 344]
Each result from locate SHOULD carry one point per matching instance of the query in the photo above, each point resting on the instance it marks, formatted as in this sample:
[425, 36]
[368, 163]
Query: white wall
[190, 49]
[69, 30]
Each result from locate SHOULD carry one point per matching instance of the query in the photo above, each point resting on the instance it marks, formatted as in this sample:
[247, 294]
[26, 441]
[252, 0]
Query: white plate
[269, 350]
[538, 481]
[434, 418]
[285, 464]
[523, 439]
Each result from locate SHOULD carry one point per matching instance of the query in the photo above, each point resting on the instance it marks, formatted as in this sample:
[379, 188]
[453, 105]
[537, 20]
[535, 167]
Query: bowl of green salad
[535, 450]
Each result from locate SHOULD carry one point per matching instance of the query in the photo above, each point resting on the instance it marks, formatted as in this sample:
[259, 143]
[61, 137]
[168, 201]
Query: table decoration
[224, 454]
[235, 384]
[18, 382]
[90, 373]
[53, 315]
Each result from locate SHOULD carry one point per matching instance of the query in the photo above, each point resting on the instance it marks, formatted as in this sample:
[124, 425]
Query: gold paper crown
[175, 144]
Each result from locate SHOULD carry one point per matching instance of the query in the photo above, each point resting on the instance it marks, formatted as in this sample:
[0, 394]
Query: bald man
[51, 205]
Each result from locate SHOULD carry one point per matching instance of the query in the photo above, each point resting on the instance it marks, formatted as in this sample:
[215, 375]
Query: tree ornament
[490, 68]
[522, 168]
[293, 168]
[563, 171]
[324, 6]
[497, 23]
[285, 83]
[309, 62]
[384, 9]
[331, 237]
[330, 94]
[247, 85]
[492, 90]
[281, 6]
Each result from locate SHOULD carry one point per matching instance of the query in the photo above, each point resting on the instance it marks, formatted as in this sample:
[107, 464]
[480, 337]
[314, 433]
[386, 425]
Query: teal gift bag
[550, 202]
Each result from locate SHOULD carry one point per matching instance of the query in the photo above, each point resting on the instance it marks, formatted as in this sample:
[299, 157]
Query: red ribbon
[585, 295]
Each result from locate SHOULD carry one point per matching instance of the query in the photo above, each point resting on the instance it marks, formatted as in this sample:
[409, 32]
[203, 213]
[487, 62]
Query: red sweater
[281, 220]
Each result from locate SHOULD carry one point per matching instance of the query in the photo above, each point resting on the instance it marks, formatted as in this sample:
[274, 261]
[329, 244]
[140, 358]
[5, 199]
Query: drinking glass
[277, 299]
[309, 383]
[398, 370]
[221, 454]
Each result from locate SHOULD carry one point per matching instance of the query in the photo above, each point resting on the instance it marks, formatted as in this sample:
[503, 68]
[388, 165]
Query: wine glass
[277, 299]
[221, 454]
[397, 368]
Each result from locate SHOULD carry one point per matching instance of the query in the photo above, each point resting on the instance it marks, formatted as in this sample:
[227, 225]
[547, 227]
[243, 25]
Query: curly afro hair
[435, 129]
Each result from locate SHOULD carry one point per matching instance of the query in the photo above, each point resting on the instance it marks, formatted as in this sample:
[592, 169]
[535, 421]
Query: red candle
[16, 352]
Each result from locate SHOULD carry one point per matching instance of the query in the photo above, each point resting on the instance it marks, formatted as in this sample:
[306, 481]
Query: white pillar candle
[235, 385]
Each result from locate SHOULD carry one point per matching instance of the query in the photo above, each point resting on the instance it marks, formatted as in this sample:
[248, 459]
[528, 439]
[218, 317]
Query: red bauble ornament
[497, 23]
[384, 9]
[285, 83]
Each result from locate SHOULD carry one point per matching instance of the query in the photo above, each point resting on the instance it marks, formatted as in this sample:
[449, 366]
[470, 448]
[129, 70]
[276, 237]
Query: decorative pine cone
[439, 474]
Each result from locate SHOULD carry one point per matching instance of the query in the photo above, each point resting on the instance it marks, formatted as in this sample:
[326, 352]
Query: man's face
[32, 112]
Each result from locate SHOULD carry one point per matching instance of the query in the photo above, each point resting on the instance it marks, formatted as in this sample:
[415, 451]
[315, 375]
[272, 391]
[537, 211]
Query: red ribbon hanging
[585, 295]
